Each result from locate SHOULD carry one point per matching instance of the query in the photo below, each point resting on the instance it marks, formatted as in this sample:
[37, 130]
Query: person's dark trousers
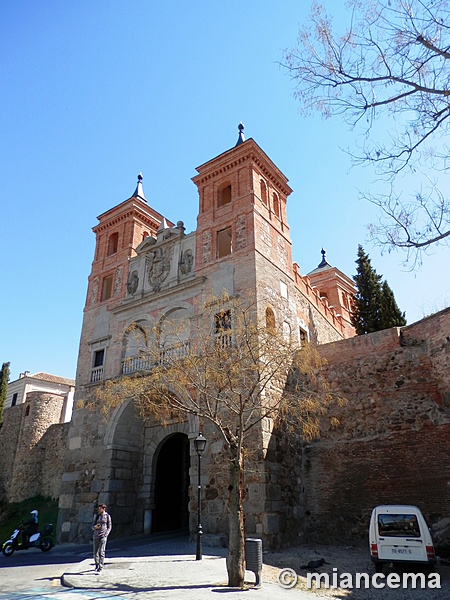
[99, 552]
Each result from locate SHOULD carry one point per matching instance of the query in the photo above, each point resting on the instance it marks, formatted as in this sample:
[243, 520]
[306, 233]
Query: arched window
[263, 187]
[145, 235]
[113, 244]
[276, 205]
[135, 350]
[270, 319]
[27, 410]
[174, 335]
[224, 195]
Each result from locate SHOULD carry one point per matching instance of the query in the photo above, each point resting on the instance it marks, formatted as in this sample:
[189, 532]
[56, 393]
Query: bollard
[253, 558]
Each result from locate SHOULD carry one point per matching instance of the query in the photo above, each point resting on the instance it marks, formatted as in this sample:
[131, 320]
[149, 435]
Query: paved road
[157, 568]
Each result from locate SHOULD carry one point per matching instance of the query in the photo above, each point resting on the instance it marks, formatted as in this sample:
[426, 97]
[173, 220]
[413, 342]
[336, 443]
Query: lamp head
[199, 443]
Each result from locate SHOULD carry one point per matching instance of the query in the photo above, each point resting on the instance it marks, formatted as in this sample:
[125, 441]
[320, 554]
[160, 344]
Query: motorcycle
[43, 540]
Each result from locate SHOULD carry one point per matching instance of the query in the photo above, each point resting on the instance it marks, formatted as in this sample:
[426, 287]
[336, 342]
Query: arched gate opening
[172, 484]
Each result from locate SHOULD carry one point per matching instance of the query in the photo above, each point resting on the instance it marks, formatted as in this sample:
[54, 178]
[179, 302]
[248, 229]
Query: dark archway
[172, 484]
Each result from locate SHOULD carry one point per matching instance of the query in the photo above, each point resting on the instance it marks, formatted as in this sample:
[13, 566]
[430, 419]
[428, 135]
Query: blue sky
[95, 92]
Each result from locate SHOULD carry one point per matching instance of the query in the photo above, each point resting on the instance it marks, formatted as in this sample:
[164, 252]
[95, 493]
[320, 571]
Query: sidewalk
[172, 574]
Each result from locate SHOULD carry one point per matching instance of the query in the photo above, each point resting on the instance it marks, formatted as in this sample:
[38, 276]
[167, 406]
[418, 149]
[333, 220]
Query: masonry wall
[33, 444]
[9, 436]
[393, 441]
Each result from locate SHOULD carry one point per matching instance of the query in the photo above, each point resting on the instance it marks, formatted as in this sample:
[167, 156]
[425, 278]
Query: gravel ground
[348, 559]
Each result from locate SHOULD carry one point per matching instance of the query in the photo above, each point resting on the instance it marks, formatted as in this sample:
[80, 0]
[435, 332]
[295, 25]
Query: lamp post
[199, 445]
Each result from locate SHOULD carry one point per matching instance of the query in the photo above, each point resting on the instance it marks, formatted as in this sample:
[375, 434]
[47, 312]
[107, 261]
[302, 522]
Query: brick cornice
[247, 152]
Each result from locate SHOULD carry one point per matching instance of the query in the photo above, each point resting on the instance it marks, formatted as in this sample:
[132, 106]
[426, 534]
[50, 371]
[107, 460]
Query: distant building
[45, 383]
[33, 436]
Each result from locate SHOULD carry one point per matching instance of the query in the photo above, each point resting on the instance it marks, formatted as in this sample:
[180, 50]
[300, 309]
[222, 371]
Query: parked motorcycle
[43, 540]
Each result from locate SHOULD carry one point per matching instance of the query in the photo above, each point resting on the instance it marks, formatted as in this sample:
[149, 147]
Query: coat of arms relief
[158, 266]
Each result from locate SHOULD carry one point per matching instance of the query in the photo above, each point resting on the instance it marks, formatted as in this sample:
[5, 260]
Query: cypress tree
[374, 305]
[367, 301]
[391, 315]
[4, 379]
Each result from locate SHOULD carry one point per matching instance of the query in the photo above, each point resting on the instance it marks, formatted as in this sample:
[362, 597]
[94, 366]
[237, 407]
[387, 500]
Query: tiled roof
[53, 378]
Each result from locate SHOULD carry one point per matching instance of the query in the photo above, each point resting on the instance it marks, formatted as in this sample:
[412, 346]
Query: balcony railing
[224, 340]
[145, 362]
[174, 352]
[97, 374]
[140, 362]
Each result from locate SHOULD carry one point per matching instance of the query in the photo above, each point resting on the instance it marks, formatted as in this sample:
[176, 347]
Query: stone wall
[9, 436]
[33, 444]
[393, 441]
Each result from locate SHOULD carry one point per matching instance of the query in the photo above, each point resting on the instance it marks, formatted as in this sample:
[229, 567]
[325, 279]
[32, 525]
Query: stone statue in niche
[187, 260]
[133, 282]
[158, 266]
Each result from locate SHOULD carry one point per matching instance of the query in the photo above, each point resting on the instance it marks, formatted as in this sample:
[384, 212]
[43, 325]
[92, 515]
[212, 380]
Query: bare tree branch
[393, 61]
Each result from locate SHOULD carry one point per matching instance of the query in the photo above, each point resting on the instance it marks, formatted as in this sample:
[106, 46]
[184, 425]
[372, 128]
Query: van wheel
[378, 567]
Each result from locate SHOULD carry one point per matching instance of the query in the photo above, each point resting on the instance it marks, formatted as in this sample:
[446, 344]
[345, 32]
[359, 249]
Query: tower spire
[139, 191]
[324, 262]
[241, 138]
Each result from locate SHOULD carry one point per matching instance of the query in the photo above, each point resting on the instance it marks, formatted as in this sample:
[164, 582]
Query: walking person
[101, 526]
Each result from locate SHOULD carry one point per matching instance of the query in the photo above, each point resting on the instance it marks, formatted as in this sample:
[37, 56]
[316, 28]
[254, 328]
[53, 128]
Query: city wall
[393, 441]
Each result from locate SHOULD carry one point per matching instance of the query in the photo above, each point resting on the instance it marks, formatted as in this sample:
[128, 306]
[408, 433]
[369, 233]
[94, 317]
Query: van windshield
[398, 525]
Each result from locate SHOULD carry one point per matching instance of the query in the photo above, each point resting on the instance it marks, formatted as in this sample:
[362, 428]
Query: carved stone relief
[94, 291]
[158, 266]
[118, 281]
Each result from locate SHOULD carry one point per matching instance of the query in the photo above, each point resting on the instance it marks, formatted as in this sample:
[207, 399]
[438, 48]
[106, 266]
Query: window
[224, 196]
[270, 319]
[398, 525]
[276, 205]
[286, 331]
[113, 244]
[107, 288]
[283, 289]
[224, 242]
[303, 336]
[263, 187]
[145, 235]
[99, 357]
[174, 335]
[14, 399]
[345, 301]
[27, 410]
[97, 366]
[135, 356]
[222, 328]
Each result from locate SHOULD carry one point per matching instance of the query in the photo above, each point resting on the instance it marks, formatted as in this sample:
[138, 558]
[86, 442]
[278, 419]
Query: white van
[399, 534]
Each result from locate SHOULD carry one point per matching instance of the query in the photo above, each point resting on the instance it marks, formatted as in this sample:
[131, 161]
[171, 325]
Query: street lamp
[199, 445]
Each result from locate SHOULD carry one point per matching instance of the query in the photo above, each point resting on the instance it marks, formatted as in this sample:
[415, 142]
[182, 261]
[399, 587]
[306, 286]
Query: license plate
[401, 551]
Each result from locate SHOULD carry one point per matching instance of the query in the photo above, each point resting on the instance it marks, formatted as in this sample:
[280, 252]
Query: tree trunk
[236, 556]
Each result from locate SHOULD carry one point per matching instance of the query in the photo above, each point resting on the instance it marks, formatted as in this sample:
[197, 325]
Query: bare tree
[230, 373]
[387, 75]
